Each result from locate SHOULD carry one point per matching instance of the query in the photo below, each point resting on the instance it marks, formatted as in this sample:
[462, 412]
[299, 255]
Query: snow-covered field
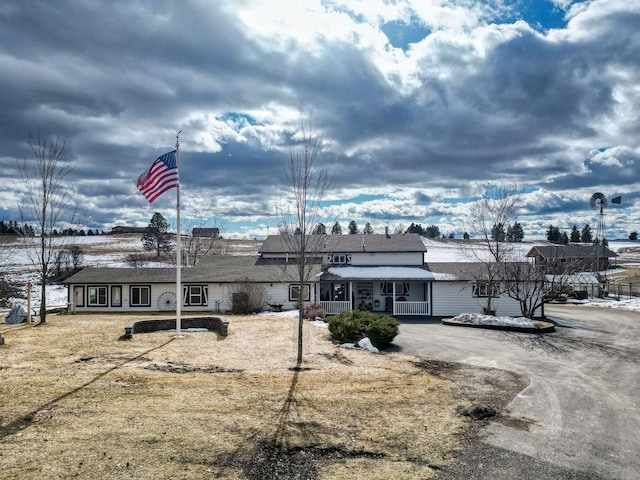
[108, 250]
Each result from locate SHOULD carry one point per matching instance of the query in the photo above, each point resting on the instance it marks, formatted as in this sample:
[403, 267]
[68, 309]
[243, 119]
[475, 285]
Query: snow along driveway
[580, 413]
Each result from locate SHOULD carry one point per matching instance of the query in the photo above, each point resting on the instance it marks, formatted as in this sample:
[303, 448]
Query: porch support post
[351, 294]
[394, 298]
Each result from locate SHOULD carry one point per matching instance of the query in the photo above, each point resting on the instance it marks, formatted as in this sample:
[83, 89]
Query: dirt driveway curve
[581, 410]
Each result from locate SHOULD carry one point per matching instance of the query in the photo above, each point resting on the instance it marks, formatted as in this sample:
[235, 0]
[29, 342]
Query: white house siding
[219, 297]
[373, 259]
[454, 298]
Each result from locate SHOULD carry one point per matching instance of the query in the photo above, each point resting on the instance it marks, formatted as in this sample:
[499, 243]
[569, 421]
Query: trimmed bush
[352, 326]
[382, 331]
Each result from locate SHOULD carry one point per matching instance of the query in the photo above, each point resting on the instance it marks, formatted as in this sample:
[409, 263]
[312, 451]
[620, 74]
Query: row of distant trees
[12, 227]
[513, 233]
[554, 235]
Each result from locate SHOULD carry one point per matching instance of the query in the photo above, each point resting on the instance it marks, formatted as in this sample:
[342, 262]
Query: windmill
[599, 202]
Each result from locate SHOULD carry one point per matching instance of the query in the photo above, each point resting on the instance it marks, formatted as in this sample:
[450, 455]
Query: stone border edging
[148, 326]
[541, 327]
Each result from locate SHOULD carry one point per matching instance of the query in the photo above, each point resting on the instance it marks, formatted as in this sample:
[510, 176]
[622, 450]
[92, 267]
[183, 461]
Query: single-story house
[377, 272]
[206, 232]
[573, 258]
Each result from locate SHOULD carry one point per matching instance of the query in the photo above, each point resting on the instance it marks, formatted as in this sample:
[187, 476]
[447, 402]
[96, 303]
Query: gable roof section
[410, 242]
[569, 251]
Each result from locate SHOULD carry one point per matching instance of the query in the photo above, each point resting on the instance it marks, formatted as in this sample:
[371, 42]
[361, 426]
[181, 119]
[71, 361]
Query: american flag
[160, 177]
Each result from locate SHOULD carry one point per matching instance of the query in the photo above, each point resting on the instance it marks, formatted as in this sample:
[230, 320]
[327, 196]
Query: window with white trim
[78, 296]
[97, 296]
[295, 296]
[140, 296]
[116, 295]
[196, 295]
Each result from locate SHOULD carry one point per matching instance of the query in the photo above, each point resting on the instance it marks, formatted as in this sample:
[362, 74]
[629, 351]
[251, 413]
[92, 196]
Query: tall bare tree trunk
[46, 201]
[309, 182]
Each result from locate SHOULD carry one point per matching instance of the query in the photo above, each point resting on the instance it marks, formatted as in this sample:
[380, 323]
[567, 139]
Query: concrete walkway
[583, 402]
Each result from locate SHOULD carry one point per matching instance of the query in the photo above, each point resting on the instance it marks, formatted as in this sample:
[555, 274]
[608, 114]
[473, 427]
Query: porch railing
[333, 308]
[400, 308]
[411, 308]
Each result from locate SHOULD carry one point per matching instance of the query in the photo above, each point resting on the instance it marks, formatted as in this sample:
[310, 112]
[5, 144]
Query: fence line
[618, 290]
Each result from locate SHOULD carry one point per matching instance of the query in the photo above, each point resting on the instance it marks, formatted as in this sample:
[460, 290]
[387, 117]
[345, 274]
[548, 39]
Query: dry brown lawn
[77, 401]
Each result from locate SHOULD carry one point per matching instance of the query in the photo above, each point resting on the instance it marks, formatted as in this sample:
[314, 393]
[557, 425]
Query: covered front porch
[408, 292]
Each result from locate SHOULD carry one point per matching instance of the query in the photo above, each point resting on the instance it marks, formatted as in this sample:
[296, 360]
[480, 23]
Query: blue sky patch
[402, 35]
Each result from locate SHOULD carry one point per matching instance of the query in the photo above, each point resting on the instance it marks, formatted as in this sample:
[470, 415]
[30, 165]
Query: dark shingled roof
[210, 269]
[569, 251]
[410, 242]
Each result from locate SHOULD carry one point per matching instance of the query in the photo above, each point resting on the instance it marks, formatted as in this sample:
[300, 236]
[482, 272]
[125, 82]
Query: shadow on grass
[275, 456]
[25, 420]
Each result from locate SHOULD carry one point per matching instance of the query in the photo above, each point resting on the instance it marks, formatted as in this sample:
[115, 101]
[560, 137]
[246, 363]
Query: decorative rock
[366, 344]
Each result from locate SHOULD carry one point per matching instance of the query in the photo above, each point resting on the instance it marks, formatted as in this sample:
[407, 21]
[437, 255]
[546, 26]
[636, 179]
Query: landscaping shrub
[582, 294]
[314, 310]
[247, 297]
[382, 331]
[352, 326]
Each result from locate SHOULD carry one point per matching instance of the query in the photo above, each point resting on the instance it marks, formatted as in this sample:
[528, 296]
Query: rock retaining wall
[147, 326]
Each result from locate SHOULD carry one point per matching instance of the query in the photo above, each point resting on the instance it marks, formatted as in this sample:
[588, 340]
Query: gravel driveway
[579, 418]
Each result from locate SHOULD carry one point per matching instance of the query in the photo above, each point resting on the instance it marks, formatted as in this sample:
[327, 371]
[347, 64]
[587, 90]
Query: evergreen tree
[432, 231]
[564, 238]
[320, 229]
[586, 236]
[336, 229]
[633, 236]
[465, 236]
[575, 235]
[353, 227]
[498, 233]
[368, 229]
[553, 234]
[415, 228]
[156, 236]
[515, 233]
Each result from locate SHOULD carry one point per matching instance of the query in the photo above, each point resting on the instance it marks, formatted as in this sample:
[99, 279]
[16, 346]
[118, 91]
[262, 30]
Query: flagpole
[178, 245]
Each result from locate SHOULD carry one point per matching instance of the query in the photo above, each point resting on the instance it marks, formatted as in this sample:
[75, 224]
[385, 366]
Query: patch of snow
[478, 319]
[445, 276]
[631, 304]
[284, 314]
[373, 273]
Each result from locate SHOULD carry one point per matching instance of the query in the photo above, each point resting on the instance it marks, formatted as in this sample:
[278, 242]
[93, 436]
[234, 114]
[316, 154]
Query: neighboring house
[381, 273]
[573, 258]
[125, 229]
[213, 232]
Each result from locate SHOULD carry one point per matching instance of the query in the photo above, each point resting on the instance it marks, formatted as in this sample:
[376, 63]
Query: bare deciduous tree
[194, 246]
[47, 203]
[498, 206]
[307, 176]
[525, 283]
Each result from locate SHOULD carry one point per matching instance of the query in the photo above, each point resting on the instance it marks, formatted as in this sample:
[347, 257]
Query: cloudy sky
[425, 105]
